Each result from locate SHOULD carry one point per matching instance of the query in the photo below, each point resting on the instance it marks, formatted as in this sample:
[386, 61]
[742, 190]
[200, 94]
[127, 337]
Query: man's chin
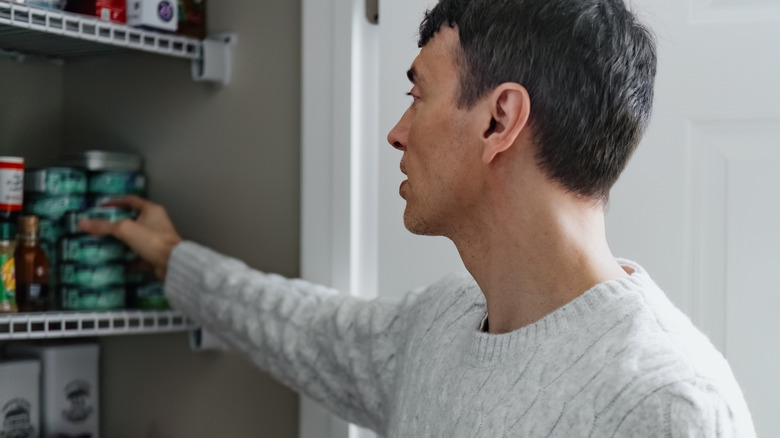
[418, 225]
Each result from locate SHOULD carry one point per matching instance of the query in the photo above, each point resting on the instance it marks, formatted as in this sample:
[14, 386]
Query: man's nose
[397, 136]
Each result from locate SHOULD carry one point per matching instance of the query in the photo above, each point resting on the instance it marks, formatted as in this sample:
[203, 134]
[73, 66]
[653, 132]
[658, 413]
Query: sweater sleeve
[335, 348]
[688, 409]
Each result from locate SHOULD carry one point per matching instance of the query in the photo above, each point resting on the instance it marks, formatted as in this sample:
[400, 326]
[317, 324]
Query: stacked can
[112, 175]
[92, 270]
[143, 290]
[49, 194]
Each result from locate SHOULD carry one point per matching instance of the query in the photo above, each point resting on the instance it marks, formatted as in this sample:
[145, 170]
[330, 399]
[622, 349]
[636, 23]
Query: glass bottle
[7, 268]
[32, 268]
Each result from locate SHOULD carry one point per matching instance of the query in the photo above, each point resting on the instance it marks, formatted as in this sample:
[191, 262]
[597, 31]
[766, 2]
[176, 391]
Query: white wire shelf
[56, 34]
[60, 34]
[76, 324]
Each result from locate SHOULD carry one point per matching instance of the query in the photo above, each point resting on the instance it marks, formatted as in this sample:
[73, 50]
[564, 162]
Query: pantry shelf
[75, 324]
[55, 34]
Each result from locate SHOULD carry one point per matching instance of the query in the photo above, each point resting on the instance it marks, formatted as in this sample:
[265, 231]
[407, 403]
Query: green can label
[54, 207]
[91, 277]
[91, 250]
[8, 283]
[94, 201]
[151, 297]
[110, 214]
[50, 230]
[117, 183]
[74, 298]
[63, 181]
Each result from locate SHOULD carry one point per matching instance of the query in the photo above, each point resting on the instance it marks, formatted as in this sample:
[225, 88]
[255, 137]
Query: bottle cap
[28, 225]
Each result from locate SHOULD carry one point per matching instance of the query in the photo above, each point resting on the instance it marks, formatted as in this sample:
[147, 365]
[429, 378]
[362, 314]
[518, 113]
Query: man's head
[588, 66]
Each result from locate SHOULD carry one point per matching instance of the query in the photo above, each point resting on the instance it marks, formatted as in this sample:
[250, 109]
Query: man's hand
[151, 236]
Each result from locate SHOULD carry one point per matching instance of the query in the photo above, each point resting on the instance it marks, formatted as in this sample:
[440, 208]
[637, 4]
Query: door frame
[339, 112]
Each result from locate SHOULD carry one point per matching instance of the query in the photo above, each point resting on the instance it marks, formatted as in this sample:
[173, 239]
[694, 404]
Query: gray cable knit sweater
[620, 360]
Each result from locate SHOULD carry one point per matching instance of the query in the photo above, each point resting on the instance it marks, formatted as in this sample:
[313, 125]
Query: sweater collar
[582, 319]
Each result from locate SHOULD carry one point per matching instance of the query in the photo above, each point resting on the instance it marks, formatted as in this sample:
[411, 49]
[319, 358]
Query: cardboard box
[20, 399]
[156, 14]
[69, 382]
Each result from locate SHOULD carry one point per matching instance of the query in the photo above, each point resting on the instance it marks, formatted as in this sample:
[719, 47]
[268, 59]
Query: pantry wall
[31, 108]
[225, 161]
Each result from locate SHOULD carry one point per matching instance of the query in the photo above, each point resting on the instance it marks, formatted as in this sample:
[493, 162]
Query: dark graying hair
[589, 68]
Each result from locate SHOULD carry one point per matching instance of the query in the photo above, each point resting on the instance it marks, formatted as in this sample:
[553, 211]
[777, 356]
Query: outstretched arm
[337, 349]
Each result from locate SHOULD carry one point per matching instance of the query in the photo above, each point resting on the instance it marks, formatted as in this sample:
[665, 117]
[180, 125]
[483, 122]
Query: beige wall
[225, 161]
[30, 109]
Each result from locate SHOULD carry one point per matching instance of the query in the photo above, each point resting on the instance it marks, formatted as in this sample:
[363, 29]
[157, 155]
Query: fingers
[131, 202]
[151, 215]
[129, 232]
[150, 245]
[152, 236]
[97, 227]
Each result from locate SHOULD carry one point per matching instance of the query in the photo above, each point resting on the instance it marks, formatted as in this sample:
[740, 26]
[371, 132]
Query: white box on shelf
[20, 398]
[157, 14]
[69, 382]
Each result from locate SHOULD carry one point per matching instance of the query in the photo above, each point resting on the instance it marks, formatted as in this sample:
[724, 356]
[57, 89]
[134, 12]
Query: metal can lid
[104, 160]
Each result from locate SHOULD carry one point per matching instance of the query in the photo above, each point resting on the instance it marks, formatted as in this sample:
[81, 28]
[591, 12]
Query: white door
[698, 205]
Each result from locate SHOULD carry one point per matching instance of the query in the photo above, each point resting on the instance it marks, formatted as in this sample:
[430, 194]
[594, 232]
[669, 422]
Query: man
[523, 114]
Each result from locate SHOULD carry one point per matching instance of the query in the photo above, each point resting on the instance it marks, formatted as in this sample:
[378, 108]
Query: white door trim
[338, 179]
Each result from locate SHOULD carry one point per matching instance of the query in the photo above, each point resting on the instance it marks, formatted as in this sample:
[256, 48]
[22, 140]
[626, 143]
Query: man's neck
[532, 263]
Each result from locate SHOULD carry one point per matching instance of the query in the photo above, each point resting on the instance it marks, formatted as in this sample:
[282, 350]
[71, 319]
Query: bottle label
[11, 185]
[8, 283]
[34, 292]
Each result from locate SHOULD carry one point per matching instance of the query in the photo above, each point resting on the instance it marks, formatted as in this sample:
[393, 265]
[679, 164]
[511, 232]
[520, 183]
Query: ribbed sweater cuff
[184, 277]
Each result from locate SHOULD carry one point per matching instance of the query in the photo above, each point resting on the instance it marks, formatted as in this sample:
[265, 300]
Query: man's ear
[510, 107]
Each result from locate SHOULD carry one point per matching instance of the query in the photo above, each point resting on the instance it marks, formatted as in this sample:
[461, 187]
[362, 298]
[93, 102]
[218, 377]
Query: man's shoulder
[656, 339]
[637, 326]
[655, 361]
[694, 407]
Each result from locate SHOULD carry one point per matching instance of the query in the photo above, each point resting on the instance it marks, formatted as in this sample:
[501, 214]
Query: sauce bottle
[32, 268]
[8, 280]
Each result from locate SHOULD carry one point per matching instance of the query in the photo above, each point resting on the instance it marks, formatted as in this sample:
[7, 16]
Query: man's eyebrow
[412, 75]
